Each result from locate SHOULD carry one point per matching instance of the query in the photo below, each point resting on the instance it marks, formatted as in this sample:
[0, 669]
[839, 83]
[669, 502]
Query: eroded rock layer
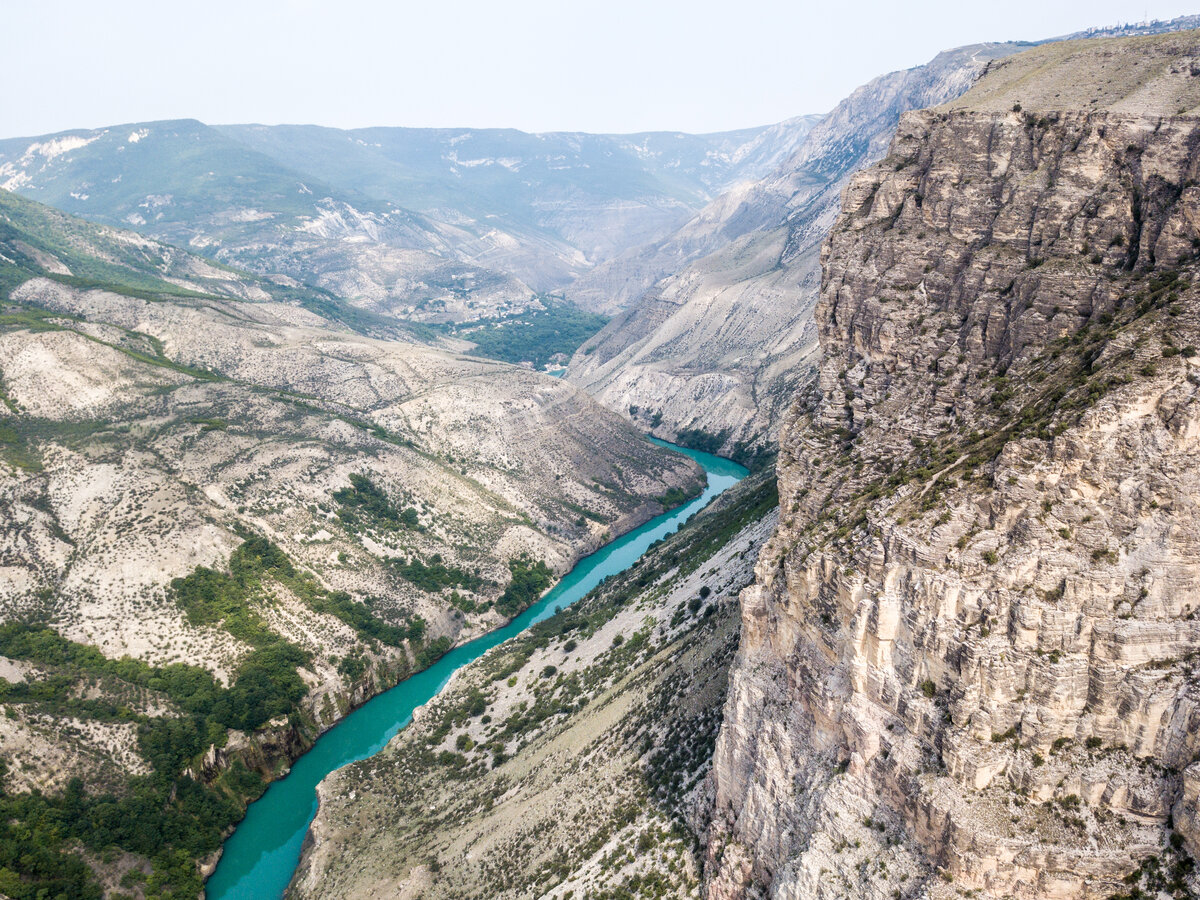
[967, 660]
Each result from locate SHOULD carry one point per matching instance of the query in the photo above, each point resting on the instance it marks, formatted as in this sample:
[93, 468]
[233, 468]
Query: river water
[261, 855]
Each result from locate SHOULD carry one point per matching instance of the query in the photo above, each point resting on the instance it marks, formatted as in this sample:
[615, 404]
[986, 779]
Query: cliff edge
[967, 662]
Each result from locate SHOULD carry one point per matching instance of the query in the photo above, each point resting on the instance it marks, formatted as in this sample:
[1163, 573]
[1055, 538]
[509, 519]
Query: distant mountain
[186, 183]
[599, 193]
[39, 241]
[500, 215]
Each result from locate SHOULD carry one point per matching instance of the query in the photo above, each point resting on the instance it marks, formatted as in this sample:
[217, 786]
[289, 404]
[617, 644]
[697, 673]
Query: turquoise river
[261, 855]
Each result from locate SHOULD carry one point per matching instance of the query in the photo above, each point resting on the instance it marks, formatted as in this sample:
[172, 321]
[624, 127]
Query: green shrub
[529, 580]
[166, 816]
[435, 575]
[364, 503]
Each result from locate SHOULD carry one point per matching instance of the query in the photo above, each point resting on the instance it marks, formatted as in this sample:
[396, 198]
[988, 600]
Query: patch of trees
[166, 817]
[699, 439]
[359, 617]
[529, 580]
[677, 496]
[210, 597]
[365, 504]
[432, 652]
[435, 575]
[534, 337]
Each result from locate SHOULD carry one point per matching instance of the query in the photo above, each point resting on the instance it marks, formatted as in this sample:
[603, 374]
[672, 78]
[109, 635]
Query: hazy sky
[614, 65]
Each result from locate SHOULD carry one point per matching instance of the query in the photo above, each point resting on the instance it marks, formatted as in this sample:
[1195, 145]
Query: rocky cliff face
[967, 662]
[718, 332]
[721, 344]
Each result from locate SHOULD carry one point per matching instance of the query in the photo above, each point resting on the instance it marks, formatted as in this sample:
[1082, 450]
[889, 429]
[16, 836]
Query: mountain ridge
[715, 326]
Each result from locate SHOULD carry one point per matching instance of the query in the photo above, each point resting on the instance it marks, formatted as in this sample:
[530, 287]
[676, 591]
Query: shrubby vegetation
[210, 597]
[755, 458]
[360, 618]
[364, 503]
[704, 441]
[533, 337]
[167, 817]
[435, 575]
[432, 652]
[677, 496]
[14, 446]
[529, 580]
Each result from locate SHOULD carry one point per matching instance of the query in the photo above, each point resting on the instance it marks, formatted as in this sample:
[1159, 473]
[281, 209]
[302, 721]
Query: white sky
[609, 66]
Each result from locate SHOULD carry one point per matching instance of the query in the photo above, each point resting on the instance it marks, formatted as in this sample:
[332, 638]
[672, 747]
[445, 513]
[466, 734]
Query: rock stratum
[713, 331]
[967, 663]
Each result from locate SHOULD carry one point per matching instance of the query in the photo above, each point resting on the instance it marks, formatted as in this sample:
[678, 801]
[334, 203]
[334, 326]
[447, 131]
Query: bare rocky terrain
[479, 449]
[967, 662]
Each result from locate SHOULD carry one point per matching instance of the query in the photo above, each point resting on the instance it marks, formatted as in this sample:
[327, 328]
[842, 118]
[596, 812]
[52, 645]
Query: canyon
[965, 661]
[277, 433]
[374, 501]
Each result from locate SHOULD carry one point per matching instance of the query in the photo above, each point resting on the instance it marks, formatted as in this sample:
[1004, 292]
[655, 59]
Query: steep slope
[227, 519]
[567, 761]
[967, 662]
[717, 330]
[720, 345]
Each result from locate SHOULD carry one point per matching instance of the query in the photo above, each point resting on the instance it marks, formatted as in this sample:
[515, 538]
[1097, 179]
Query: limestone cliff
[967, 660]
[722, 342]
[718, 334]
